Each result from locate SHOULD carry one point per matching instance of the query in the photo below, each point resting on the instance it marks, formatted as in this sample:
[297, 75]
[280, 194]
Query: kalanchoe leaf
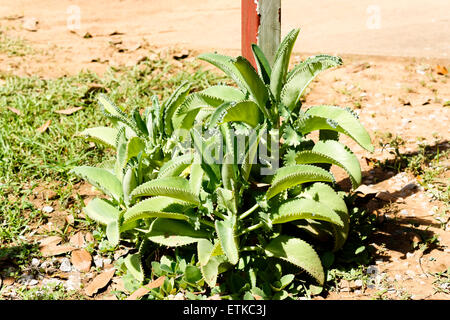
[174, 233]
[297, 252]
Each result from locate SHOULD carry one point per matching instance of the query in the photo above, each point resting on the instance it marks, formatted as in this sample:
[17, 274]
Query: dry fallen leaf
[70, 219]
[442, 70]
[69, 111]
[81, 260]
[16, 111]
[44, 126]
[53, 240]
[77, 240]
[145, 289]
[52, 250]
[99, 282]
[8, 281]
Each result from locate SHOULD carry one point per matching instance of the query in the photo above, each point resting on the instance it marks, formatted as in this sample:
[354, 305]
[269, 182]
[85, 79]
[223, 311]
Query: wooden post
[261, 24]
[249, 28]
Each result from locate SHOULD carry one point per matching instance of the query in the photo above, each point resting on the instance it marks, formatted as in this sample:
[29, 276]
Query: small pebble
[65, 265]
[47, 209]
[358, 283]
[35, 262]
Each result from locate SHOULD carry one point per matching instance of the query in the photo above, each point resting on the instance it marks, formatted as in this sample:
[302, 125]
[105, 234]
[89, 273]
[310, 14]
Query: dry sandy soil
[392, 76]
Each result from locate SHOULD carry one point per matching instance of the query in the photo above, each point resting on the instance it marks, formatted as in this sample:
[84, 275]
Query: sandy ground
[389, 77]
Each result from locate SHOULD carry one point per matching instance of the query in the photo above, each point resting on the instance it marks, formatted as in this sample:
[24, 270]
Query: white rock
[358, 283]
[35, 262]
[33, 282]
[409, 254]
[65, 265]
[47, 209]
[98, 261]
[107, 261]
[74, 282]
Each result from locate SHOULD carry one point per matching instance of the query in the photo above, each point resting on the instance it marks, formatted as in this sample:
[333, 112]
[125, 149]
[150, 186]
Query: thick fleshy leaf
[262, 63]
[299, 253]
[101, 211]
[291, 176]
[172, 104]
[333, 152]
[175, 166]
[173, 187]
[102, 179]
[186, 114]
[211, 270]
[103, 135]
[338, 119]
[225, 93]
[226, 233]
[253, 83]
[302, 208]
[281, 63]
[224, 63]
[250, 156]
[174, 233]
[110, 106]
[300, 77]
[244, 111]
[113, 232]
[325, 194]
[134, 266]
[162, 207]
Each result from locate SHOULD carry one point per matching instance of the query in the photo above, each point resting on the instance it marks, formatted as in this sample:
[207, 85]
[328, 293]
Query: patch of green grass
[29, 158]
[14, 46]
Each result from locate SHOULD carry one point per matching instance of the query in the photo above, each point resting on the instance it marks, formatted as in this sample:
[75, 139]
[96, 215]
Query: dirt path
[416, 28]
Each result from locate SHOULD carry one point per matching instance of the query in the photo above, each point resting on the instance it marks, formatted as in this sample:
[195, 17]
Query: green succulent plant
[221, 197]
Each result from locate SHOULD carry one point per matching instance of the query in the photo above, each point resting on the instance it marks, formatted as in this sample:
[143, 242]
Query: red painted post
[250, 21]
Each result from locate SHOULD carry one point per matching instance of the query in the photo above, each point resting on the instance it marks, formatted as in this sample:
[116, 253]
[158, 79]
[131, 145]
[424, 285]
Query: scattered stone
[65, 265]
[409, 255]
[30, 24]
[47, 209]
[98, 261]
[74, 281]
[35, 262]
[358, 283]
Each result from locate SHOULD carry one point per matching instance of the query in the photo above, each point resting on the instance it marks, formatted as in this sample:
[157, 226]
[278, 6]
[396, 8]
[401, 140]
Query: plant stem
[207, 223]
[249, 211]
[252, 228]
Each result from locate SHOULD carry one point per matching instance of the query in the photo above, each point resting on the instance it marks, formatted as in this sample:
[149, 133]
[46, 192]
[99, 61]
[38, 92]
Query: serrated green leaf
[333, 152]
[175, 166]
[171, 105]
[174, 233]
[226, 233]
[101, 211]
[211, 270]
[281, 63]
[305, 209]
[113, 232]
[134, 266]
[325, 194]
[225, 93]
[173, 187]
[103, 135]
[263, 65]
[337, 119]
[101, 179]
[253, 83]
[244, 111]
[297, 252]
[162, 207]
[302, 75]
[109, 106]
[288, 177]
